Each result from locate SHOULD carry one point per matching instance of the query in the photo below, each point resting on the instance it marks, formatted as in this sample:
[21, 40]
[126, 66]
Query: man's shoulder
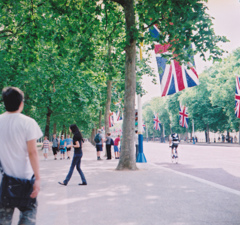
[27, 119]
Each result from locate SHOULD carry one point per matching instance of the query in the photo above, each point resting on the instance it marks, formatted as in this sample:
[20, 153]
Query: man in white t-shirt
[18, 152]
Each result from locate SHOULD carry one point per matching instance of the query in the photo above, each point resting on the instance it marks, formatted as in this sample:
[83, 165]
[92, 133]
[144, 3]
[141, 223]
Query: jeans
[76, 161]
[27, 215]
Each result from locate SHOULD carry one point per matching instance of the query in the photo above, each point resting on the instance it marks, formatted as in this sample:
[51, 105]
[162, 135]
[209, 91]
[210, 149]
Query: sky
[226, 23]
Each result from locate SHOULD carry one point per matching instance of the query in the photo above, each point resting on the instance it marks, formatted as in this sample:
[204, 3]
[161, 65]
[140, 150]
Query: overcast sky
[226, 23]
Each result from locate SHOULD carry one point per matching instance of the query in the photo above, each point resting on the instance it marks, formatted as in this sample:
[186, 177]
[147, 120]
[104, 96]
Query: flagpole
[193, 132]
[163, 134]
[140, 157]
[146, 132]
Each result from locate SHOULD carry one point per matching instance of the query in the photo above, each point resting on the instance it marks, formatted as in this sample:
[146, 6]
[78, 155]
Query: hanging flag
[156, 122]
[119, 115]
[183, 116]
[173, 76]
[237, 97]
[111, 119]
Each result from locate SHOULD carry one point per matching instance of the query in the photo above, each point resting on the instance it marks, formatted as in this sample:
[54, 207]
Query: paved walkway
[153, 195]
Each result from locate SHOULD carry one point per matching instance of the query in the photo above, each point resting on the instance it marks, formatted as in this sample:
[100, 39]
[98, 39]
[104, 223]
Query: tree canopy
[63, 53]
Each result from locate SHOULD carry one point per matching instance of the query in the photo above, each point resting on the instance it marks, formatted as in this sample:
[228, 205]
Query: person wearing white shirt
[18, 152]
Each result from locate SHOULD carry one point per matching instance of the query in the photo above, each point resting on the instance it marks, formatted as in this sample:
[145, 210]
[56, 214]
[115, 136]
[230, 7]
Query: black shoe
[62, 183]
[83, 183]
[55, 159]
[68, 157]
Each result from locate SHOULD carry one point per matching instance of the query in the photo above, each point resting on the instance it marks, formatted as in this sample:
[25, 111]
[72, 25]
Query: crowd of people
[64, 146]
[61, 145]
[99, 140]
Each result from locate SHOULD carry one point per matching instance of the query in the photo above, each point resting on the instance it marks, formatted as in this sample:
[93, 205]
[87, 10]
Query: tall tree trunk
[107, 106]
[206, 137]
[92, 136]
[228, 135]
[47, 127]
[127, 157]
[64, 131]
[54, 128]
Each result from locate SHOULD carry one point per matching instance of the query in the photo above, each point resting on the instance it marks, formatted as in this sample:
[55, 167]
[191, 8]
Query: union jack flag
[183, 116]
[237, 98]
[173, 76]
[111, 119]
[156, 122]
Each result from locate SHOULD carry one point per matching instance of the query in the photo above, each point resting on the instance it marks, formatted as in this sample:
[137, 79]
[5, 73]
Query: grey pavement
[159, 193]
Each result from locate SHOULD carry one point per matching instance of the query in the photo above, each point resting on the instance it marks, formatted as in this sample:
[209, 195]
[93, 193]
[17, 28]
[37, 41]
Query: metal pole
[193, 132]
[163, 133]
[140, 157]
[146, 132]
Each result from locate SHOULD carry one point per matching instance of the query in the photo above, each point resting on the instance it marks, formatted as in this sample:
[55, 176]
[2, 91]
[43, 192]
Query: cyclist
[173, 143]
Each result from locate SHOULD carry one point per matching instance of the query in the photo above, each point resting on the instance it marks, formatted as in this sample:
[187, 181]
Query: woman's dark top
[77, 137]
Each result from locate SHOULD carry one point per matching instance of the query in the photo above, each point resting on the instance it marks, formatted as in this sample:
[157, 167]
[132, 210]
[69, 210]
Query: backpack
[97, 138]
[112, 142]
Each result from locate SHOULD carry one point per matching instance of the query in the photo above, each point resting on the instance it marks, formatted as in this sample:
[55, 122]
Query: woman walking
[76, 161]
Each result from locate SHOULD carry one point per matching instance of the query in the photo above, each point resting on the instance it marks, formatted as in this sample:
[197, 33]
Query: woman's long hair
[76, 131]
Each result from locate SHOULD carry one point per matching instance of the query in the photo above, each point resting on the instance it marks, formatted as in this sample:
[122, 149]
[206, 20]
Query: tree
[191, 27]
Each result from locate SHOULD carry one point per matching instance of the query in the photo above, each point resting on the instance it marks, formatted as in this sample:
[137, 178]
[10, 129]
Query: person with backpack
[99, 144]
[173, 143]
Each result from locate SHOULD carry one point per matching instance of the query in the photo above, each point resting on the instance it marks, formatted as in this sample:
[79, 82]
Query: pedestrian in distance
[62, 145]
[173, 143]
[46, 147]
[116, 149]
[136, 142]
[69, 146]
[99, 144]
[55, 146]
[18, 152]
[76, 161]
[109, 143]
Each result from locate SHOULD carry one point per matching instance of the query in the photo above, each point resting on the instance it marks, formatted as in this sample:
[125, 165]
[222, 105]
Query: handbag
[15, 192]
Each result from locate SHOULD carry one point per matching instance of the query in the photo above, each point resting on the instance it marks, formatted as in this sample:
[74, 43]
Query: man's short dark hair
[12, 98]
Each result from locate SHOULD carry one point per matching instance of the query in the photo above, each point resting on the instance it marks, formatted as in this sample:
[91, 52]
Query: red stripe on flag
[168, 81]
[179, 75]
[237, 97]
[161, 48]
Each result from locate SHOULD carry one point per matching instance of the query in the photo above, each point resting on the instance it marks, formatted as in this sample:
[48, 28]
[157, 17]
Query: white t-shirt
[15, 130]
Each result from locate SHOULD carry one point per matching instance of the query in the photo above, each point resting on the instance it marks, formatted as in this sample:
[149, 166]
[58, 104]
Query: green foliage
[61, 53]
